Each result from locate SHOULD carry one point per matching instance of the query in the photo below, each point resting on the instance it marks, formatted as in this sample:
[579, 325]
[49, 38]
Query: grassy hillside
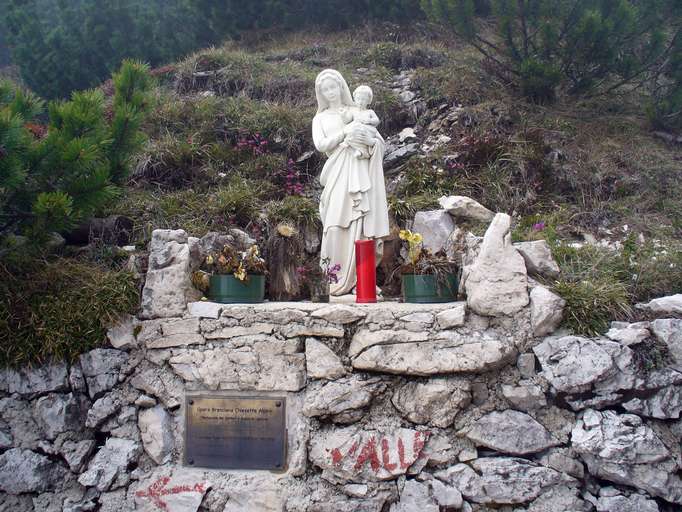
[586, 169]
[229, 144]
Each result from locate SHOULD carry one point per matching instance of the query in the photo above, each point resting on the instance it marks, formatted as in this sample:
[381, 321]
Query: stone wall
[390, 407]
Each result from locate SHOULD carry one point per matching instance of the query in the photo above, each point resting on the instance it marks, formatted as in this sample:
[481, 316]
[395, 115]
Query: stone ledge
[207, 309]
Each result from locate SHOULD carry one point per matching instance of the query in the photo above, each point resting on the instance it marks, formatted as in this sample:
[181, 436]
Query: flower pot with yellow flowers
[427, 278]
[233, 277]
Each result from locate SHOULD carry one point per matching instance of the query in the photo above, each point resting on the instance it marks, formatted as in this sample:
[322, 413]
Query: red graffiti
[158, 489]
[401, 455]
[385, 455]
[369, 453]
[418, 444]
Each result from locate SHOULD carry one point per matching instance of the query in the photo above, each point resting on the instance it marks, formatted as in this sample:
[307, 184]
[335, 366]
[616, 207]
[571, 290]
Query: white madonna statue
[353, 203]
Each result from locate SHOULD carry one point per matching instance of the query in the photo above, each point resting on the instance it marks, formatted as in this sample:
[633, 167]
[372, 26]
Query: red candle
[365, 264]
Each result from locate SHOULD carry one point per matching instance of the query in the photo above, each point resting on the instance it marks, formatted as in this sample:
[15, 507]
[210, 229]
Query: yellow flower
[209, 260]
[416, 238]
[405, 234]
[240, 273]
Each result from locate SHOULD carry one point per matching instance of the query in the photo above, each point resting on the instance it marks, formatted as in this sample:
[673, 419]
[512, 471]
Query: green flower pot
[227, 289]
[426, 289]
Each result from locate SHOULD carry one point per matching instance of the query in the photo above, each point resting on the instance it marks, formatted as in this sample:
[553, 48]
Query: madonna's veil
[346, 97]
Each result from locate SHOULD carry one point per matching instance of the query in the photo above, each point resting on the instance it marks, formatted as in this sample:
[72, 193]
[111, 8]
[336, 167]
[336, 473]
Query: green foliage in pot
[230, 261]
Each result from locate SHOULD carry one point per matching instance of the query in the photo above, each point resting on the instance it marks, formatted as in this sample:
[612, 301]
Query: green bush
[52, 177]
[59, 309]
[589, 47]
[539, 80]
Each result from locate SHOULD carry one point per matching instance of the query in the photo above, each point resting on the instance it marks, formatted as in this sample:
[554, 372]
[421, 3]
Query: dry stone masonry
[473, 406]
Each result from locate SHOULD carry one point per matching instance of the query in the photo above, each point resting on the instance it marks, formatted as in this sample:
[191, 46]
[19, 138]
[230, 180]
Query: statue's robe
[353, 204]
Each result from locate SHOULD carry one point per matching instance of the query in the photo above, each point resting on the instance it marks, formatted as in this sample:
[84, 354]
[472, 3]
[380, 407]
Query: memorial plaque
[229, 432]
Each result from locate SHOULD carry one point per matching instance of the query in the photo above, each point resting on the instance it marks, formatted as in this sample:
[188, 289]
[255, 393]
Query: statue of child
[362, 116]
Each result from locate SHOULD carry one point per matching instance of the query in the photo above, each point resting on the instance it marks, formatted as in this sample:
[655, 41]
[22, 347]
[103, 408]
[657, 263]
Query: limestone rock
[546, 310]
[110, 463]
[435, 402]
[37, 380]
[261, 363]
[664, 305]
[168, 287]
[355, 455]
[666, 403]
[58, 413]
[556, 499]
[339, 314]
[538, 258]
[24, 471]
[564, 460]
[159, 383]
[572, 364]
[621, 448]
[621, 503]
[365, 338]
[396, 156]
[106, 406]
[6, 439]
[669, 331]
[415, 497]
[175, 332]
[115, 501]
[496, 283]
[511, 432]
[255, 493]
[435, 227]
[406, 134]
[321, 362]
[77, 379]
[466, 208]
[205, 309]
[18, 416]
[453, 317]
[502, 480]
[526, 365]
[101, 369]
[445, 495]
[179, 489]
[77, 453]
[448, 353]
[156, 433]
[122, 335]
[345, 397]
[629, 334]
[525, 397]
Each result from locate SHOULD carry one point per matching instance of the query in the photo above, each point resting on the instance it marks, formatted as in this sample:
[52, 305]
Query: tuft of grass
[592, 305]
[300, 210]
[240, 200]
[599, 285]
[404, 209]
[56, 310]
[171, 163]
[228, 71]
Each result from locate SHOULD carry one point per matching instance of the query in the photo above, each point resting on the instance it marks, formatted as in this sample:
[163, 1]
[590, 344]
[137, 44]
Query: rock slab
[496, 283]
